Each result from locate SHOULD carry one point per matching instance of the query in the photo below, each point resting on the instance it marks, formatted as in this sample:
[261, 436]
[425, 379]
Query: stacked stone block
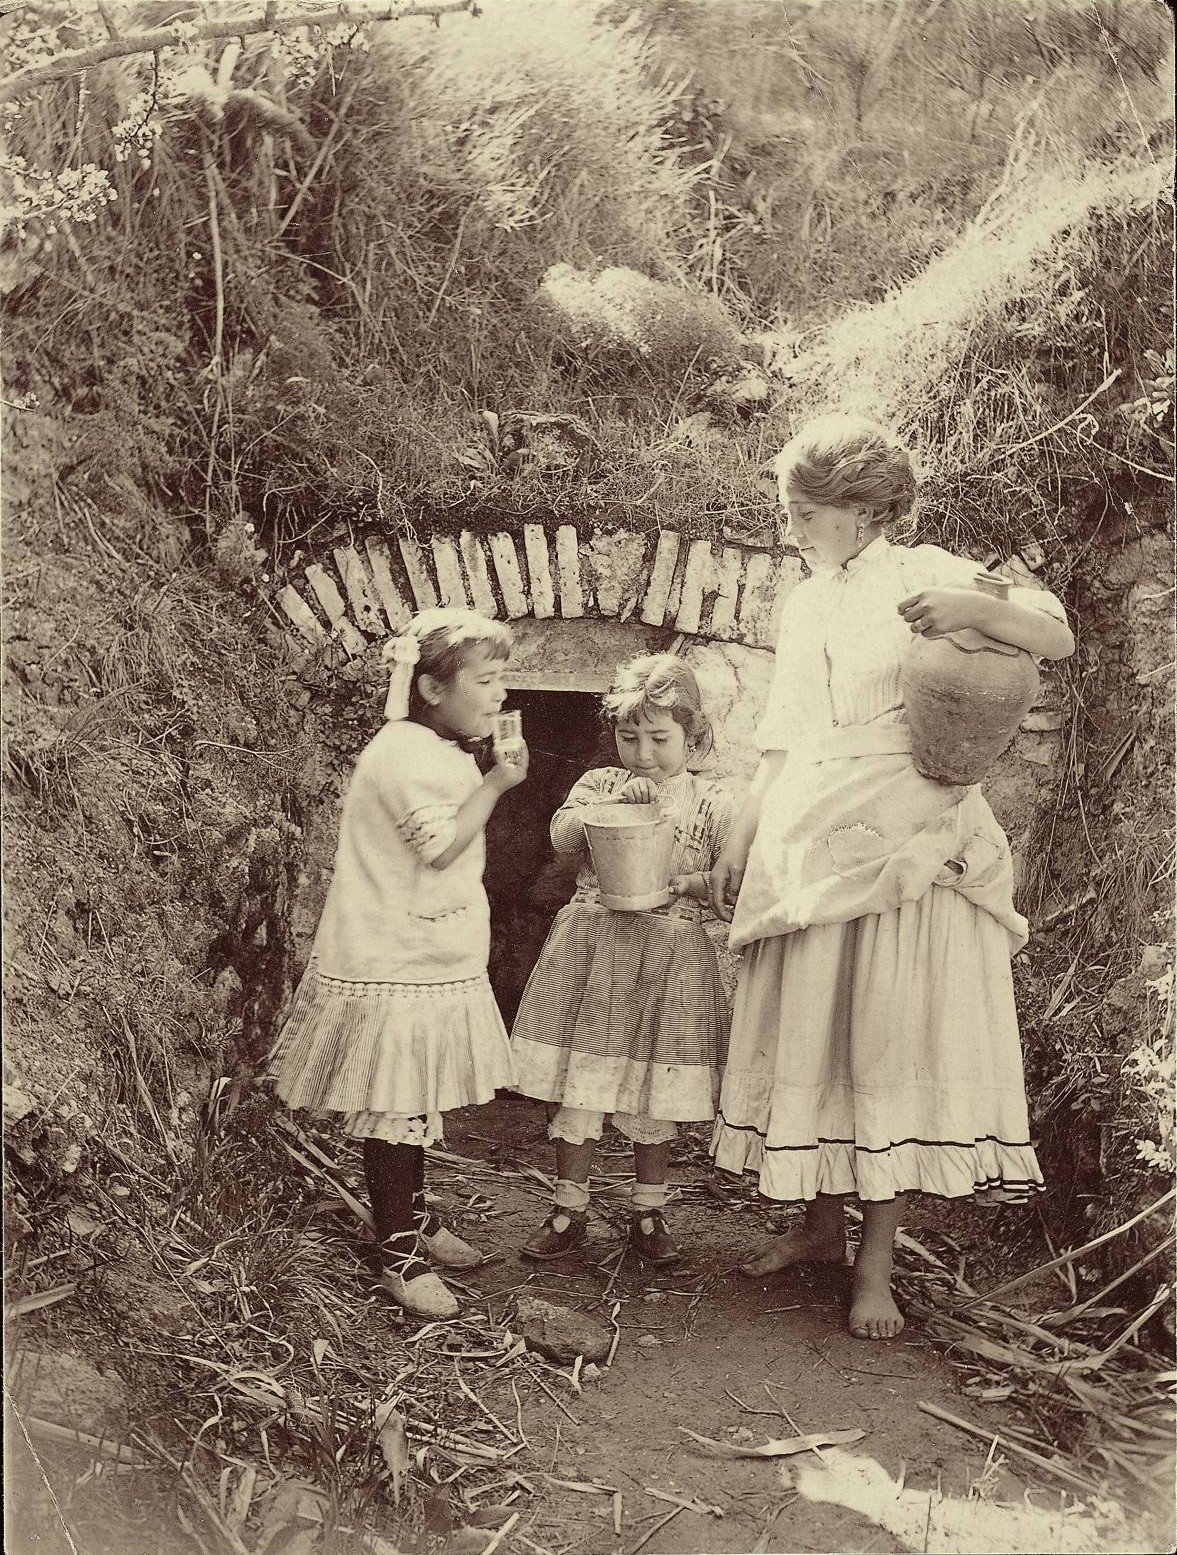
[370, 589]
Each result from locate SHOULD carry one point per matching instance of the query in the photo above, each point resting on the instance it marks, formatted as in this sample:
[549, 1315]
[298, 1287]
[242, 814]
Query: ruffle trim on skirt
[989, 1170]
[680, 1093]
[401, 1048]
[395, 1130]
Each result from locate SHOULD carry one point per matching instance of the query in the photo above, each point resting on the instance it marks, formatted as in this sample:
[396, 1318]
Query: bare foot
[873, 1313]
[799, 1245]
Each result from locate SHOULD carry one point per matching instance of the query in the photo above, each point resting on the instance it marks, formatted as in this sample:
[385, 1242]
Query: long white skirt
[878, 1057]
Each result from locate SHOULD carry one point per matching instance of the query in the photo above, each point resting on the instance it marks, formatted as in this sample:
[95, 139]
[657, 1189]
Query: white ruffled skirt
[878, 1057]
[405, 1050]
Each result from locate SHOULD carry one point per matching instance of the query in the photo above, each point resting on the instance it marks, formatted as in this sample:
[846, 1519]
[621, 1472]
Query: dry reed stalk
[501, 1533]
[34, 1303]
[1060, 1470]
[562, 1407]
[1079, 1252]
[657, 1528]
[118, 1452]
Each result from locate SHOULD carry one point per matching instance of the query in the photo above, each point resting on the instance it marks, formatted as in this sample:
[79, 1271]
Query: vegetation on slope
[324, 258]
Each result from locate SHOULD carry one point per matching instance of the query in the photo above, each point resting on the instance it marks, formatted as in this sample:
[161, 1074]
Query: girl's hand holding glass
[510, 766]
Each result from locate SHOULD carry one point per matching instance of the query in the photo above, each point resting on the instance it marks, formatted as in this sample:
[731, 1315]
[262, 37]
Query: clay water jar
[965, 695]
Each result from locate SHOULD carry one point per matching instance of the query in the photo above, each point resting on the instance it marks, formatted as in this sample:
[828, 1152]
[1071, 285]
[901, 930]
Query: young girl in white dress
[394, 1022]
[875, 1046]
[625, 1012]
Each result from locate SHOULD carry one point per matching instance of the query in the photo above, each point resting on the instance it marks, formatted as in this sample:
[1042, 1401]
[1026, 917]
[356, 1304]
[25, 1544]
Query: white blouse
[390, 917]
[841, 641]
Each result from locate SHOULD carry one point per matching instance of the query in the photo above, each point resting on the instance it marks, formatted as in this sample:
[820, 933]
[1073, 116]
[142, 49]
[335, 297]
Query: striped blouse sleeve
[567, 830]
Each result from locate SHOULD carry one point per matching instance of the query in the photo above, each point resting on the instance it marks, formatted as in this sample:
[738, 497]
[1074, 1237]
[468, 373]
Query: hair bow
[403, 653]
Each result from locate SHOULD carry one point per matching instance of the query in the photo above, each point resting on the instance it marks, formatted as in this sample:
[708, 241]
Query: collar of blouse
[869, 554]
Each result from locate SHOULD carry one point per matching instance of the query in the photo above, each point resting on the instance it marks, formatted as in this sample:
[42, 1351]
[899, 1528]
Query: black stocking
[424, 1219]
[392, 1172]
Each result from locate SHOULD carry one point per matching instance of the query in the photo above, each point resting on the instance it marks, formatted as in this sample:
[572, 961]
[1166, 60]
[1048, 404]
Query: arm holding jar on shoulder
[1029, 618]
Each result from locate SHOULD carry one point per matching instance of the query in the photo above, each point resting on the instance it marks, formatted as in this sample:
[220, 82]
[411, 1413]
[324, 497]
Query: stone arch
[365, 587]
[579, 604]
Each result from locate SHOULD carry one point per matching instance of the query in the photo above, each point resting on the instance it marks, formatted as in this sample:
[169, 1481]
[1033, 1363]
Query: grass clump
[628, 321]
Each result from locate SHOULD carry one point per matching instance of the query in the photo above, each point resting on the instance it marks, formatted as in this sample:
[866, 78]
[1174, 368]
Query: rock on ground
[561, 1334]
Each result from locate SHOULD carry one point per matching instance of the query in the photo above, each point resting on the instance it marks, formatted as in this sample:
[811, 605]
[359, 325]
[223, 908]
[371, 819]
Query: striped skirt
[624, 1012]
[878, 1057]
[407, 1049]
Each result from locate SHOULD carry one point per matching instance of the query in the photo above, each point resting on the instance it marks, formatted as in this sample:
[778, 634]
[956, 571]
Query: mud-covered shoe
[421, 1295]
[449, 1250]
[563, 1230]
[648, 1233]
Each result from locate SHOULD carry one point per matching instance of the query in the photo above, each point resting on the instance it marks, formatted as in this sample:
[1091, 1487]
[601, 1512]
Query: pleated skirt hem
[399, 1048]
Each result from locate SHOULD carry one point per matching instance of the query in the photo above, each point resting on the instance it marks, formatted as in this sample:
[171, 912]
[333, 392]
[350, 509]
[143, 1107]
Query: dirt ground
[737, 1361]
[726, 1346]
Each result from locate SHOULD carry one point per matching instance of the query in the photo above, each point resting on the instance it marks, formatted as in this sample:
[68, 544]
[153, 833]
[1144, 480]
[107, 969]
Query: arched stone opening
[558, 671]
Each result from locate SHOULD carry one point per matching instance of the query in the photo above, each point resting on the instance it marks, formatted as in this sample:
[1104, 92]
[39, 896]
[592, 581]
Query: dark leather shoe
[648, 1233]
[563, 1230]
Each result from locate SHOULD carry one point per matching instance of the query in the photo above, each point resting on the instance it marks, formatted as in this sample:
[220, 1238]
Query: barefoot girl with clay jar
[874, 1047]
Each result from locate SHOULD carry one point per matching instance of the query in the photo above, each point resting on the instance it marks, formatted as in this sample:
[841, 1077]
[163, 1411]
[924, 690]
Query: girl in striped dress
[394, 1021]
[624, 1012]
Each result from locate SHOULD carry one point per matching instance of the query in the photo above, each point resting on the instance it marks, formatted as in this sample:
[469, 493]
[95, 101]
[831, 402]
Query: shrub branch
[21, 82]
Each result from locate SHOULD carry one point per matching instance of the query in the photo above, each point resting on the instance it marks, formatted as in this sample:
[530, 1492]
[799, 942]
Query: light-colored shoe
[449, 1250]
[422, 1296]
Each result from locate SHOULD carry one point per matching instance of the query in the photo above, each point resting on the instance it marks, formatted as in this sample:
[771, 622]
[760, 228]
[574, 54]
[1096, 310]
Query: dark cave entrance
[526, 882]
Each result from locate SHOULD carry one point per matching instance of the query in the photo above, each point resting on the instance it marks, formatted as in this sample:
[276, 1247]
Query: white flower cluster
[1155, 1074]
[137, 131]
[55, 199]
[299, 58]
[301, 53]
